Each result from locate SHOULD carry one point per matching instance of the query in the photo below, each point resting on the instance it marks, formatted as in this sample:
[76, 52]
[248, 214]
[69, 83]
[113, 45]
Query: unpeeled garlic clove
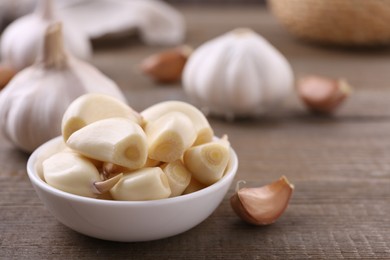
[323, 95]
[167, 66]
[6, 74]
[262, 205]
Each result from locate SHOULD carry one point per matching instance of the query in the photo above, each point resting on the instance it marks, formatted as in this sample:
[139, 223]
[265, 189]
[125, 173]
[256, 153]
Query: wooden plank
[339, 165]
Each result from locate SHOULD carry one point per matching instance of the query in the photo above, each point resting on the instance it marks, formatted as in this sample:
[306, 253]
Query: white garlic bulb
[238, 74]
[33, 103]
[20, 41]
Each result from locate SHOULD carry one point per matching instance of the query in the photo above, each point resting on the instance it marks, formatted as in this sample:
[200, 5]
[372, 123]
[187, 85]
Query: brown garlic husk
[167, 66]
[323, 95]
[110, 169]
[6, 74]
[262, 205]
[106, 185]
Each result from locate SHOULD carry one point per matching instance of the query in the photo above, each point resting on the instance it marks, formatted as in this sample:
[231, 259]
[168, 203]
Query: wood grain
[339, 165]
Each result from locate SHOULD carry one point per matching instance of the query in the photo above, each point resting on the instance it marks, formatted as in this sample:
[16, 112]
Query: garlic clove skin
[92, 107]
[157, 22]
[109, 170]
[166, 66]
[116, 140]
[262, 205]
[143, 184]
[34, 101]
[238, 74]
[204, 131]
[106, 185]
[71, 172]
[323, 95]
[160, 24]
[21, 40]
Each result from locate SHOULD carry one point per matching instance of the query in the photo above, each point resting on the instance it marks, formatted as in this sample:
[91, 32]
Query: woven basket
[339, 22]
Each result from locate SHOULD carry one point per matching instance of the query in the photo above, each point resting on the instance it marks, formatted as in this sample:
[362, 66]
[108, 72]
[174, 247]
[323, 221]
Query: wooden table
[340, 165]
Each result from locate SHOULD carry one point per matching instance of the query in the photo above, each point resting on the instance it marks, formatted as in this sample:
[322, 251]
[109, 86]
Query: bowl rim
[38, 182]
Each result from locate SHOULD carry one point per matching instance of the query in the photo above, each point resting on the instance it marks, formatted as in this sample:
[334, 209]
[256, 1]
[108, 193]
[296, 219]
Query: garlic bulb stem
[53, 53]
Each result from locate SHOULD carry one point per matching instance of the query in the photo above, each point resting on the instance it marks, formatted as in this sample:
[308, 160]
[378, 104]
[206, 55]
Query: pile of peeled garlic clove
[111, 151]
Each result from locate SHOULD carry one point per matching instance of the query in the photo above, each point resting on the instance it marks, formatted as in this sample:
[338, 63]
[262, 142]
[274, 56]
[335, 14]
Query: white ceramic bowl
[130, 221]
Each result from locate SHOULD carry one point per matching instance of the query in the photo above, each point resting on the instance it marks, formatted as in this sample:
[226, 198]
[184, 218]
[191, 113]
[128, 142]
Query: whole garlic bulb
[20, 41]
[33, 103]
[238, 74]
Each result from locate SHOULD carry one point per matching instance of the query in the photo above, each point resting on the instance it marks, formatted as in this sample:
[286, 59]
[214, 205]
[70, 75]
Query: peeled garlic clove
[323, 95]
[194, 186]
[152, 163]
[116, 140]
[169, 136]
[33, 103]
[143, 184]
[207, 162]
[47, 153]
[263, 205]
[178, 177]
[20, 42]
[71, 172]
[6, 74]
[92, 107]
[204, 131]
[166, 66]
[238, 74]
